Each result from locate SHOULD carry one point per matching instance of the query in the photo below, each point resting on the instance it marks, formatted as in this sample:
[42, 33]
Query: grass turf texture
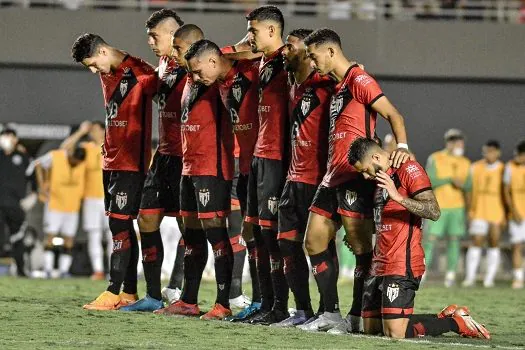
[47, 314]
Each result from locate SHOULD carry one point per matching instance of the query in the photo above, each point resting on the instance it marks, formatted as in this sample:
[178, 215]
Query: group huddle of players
[292, 125]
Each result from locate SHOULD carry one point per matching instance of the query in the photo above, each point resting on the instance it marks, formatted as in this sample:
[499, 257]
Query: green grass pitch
[47, 314]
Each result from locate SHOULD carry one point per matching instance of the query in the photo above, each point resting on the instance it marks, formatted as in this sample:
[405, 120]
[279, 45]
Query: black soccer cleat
[270, 317]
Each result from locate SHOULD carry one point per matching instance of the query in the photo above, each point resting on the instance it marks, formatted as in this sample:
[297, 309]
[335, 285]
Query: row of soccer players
[286, 127]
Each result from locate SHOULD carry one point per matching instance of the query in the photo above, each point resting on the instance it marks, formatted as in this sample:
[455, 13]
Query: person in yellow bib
[514, 192]
[486, 214]
[60, 177]
[449, 172]
[90, 136]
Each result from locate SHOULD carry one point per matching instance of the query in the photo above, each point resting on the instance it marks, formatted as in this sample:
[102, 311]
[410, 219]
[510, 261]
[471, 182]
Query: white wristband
[402, 145]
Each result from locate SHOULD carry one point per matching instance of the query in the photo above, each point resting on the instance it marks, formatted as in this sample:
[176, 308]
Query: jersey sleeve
[507, 173]
[414, 178]
[149, 83]
[365, 89]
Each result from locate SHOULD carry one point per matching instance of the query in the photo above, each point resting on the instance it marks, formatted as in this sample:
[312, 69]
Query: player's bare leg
[493, 255]
[517, 265]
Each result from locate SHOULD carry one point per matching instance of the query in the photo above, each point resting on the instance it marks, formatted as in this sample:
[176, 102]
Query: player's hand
[385, 181]
[28, 202]
[516, 216]
[400, 156]
[243, 44]
[43, 195]
[85, 127]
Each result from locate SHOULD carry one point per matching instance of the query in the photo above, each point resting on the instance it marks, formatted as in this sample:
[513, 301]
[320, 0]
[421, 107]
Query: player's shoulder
[140, 67]
[359, 77]
[320, 82]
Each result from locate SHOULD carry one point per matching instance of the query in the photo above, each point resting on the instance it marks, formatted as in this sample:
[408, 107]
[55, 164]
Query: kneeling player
[403, 197]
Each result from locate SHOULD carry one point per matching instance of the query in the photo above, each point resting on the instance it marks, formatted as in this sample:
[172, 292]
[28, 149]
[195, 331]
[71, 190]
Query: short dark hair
[267, 13]
[200, 47]
[360, 148]
[8, 131]
[189, 30]
[300, 33]
[79, 153]
[520, 148]
[323, 36]
[160, 15]
[493, 143]
[85, 46]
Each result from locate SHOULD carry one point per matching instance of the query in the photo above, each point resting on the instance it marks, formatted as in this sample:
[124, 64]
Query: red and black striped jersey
[128, 94]
[351, 116]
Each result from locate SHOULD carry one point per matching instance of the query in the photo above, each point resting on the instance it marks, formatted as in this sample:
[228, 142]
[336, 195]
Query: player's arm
[42, 180]
[70, 143]
[507, 195]
[424, 204]
[386, 109]
[432, 174]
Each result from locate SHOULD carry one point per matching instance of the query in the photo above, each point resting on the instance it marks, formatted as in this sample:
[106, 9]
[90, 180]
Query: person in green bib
[449, 173]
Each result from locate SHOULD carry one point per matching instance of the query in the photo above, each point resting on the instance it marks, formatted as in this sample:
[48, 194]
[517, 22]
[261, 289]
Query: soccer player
[238, 86]
[94, 219]
[160, 195]
[402, 199]
[309, 111]
[343, 193]
[61, 177]
[268, 169]
[128, 85]
[486, 213]
[514, 192]
[207, 146]
[449, 172]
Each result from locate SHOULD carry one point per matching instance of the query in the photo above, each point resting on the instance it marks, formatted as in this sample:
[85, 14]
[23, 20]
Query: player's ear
[331, 51]
[271, 30]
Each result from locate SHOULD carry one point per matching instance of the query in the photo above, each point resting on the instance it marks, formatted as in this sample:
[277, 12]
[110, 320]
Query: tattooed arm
[424, 205]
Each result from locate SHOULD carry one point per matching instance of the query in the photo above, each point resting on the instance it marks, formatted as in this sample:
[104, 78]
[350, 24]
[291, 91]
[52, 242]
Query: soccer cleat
[127, 299]
[146, 304]
[488, 284]
[310, 320]
[450, 279]
[350, 324]
[517, 284]
[98, 276]
[179, 308]
[298, 318]
[468, 283]
[105, 301]
[324, 322]
[218, 312]
[270, 317]
[241, 302]
[448, 311]
[170, 295]
[245, 313]
[468, 327]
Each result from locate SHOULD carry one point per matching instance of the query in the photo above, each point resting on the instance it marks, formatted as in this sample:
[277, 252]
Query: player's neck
[341, 66]
[302, 73]
[270, 50]
[226, 66]
[117, 57]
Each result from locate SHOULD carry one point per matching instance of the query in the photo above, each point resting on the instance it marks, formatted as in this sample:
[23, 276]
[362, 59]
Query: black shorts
[122, 193]
[161, 190]
[389, 297]
[325, 203]
[293, 210]
[355, 198]
[205, 197]
[239, 188]
[265, 185]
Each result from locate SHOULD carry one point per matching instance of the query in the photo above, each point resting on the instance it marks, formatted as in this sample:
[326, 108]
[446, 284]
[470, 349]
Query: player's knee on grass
[372, 326]
[216, 222]
[395, 328]
[359, 234]
[149, 222]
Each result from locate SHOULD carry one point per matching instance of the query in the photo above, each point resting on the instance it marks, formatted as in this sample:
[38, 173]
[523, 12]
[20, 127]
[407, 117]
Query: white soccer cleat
[323, 323]
[488, 284]
[170, 295]
[241, 302]
[468, 283]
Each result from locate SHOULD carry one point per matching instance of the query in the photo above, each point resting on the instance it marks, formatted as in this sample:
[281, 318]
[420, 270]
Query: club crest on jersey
[123, 87]
[336, 105]
[237, 92]
[121, 199]
[305, 105]
[350, 197]
[273, 204]
[204, 196]
[392, 292]
[171, 79]
[266, 74]
[234, 116]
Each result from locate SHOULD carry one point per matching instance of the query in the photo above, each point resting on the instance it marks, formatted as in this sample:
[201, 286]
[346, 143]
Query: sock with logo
[279, 284]
[263, 270]
[296, 272]
[239, 252]
[362, 268]
[130, 279]
[325, 274]
[152, 257]
[195, 258]
[429, 325]
[120, 255]
[222, 251]
[177, 274]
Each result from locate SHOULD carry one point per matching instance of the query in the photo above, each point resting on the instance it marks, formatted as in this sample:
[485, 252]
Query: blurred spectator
[14, 198]
[339, 9]
[448, 170]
